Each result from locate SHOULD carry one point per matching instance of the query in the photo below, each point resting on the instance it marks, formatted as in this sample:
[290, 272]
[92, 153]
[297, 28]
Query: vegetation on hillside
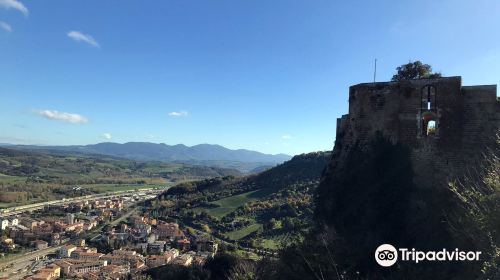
[301, 168]
[370, 201]
[202, 155]
[258, 211]
[222, 266]
[34, 176]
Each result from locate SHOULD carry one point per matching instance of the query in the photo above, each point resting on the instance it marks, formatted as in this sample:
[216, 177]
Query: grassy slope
[242, 233]
[301, 168]
[229, 204]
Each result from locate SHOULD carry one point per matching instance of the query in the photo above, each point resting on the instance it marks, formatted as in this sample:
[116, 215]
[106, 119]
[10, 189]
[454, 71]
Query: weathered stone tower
[446, 125]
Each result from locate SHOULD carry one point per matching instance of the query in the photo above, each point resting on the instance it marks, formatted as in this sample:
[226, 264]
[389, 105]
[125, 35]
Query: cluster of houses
[25, 231]
[145, 243]
[161, 242]
[125, 249]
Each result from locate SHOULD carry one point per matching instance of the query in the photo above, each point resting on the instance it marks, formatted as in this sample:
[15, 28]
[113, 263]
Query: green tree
[206, 228]
[415, 70]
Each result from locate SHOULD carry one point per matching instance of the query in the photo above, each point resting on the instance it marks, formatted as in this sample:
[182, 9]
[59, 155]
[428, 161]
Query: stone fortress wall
[446, 125]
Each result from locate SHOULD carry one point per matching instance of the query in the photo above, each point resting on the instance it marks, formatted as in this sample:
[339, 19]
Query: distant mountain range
[203, 154]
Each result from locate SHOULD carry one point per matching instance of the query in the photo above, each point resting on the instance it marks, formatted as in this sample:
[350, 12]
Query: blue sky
[271, 76]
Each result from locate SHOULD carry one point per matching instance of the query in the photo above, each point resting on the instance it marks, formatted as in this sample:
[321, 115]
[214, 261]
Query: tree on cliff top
[415, 70]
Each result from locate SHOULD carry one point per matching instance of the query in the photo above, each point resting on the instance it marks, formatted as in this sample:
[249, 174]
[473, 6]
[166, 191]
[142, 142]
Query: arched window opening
[429, 124]
[431, 128]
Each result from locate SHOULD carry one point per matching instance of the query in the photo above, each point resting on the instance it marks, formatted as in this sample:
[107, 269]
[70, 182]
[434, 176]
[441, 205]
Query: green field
[276, 241]
[241, 233]
[269, 244]
[7, 204]
[246, 255]
[229, 204]
[11, 179]
[125, 187]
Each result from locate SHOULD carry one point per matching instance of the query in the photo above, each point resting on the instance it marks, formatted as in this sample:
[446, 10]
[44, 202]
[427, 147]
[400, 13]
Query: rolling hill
[238, 209]
[31, 176]
[203, 154]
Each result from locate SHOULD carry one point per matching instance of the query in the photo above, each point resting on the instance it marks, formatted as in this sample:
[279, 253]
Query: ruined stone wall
[481, 117]
[467, 120]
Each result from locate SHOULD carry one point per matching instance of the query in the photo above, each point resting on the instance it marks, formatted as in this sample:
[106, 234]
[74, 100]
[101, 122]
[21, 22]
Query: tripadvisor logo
[387, 255]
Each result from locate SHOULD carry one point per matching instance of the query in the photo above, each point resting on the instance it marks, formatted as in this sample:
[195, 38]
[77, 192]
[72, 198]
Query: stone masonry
[447, 126]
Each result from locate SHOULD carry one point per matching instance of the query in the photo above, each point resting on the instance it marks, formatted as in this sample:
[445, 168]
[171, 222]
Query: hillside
[301, 168]
[36, 175]
[238, 210]
[203, 154]
[370, 200]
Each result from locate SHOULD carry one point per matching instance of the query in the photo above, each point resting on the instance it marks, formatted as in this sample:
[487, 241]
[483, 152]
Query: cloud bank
[80, 37]
[61, 116]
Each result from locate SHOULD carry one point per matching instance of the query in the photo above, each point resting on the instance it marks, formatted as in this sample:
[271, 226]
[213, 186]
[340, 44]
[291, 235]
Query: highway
[31, 207]
[14, 267]
[29, 256]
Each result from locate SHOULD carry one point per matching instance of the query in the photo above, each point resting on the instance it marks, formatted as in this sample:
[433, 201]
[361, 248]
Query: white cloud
[5, 26]
[286, 136]
[61, 116]
[14, 4]
[80, 37]
[107, 136]
[178, 114]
